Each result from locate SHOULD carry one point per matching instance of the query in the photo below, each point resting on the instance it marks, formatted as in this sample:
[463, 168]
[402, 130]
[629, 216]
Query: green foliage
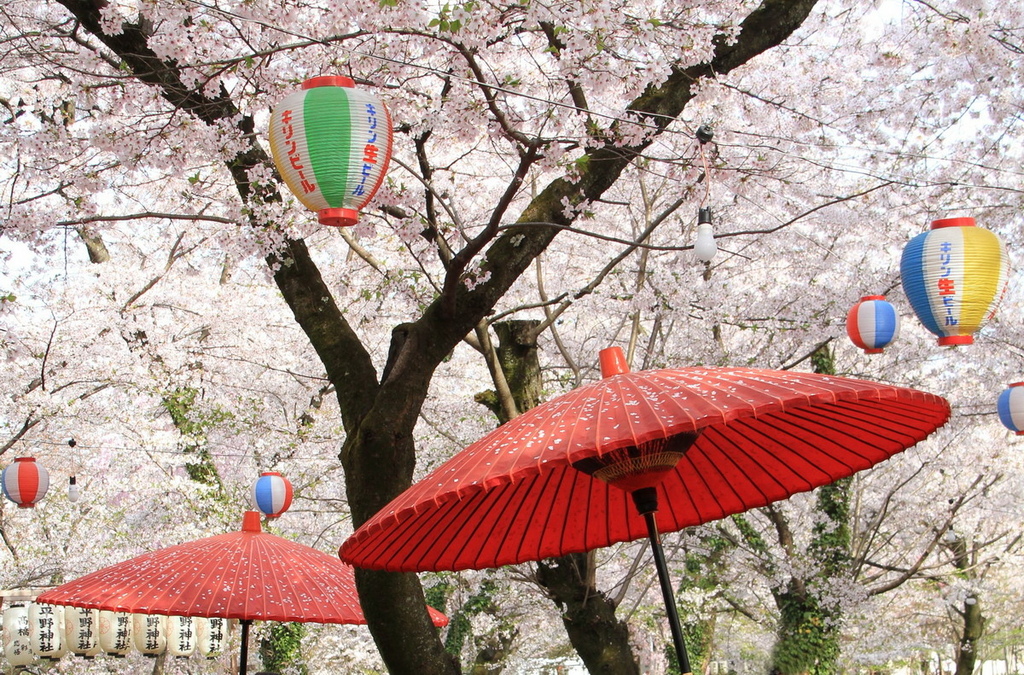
[193, 424]
[282, 648]
[460, 627]
[445, 24]
[808, 641]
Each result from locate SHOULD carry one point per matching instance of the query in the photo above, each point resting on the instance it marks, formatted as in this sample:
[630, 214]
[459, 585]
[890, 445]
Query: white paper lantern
[149, 633]
[46, 630]
[17, 646]
[210, 636]
[81, 631]
[181, 635]
[115, 632]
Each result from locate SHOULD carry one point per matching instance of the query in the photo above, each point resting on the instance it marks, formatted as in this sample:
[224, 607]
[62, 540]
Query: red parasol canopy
[515, 495]
[247, 575]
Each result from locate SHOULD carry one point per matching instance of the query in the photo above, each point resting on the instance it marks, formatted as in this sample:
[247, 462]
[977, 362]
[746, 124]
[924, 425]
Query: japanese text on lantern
[216, 629]
[84, 636]
[369, 151]
[293, 151]
[121, 633]
[946, 283]
[152, 632]
[45, 629]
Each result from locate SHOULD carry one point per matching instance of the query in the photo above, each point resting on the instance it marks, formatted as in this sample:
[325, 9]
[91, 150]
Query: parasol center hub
[645, 500]
[639, 466]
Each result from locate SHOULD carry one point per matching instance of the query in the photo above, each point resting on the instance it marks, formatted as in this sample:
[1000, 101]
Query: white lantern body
[17, 646]
[81, 631]
[210, 636]
[115, 632]
[181, 635]
[149, 633]
[46, 630]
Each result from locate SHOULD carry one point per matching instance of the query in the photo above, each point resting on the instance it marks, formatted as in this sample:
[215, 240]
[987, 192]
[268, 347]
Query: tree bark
[601, 640]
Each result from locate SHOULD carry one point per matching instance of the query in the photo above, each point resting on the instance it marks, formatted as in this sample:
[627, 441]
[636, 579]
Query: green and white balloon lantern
[331, 143]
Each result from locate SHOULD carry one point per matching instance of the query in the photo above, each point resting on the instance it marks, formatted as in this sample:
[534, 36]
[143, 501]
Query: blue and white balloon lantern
[1011, 408]
[872, 324]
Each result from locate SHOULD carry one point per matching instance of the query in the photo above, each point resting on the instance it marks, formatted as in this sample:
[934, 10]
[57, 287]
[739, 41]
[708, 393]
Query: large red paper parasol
[589, 468]
[247, 575]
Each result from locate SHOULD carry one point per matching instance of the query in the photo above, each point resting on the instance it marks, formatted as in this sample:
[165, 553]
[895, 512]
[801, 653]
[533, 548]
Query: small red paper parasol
[590, 468]
[247, 575]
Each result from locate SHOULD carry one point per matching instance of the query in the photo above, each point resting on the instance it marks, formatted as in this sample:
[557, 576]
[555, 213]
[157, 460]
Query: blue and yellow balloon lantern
[954, 276]
[331, 143]
[872, 324]
[1011, 408]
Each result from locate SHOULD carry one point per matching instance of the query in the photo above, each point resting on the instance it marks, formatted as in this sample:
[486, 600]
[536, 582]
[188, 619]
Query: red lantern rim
[872, 297]
[338, 217]
[329, 81]
[953, 222]
[1015, 384]
[953, 340]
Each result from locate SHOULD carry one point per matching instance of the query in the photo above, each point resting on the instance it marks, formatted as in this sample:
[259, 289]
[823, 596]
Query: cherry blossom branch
[26, 426]
[144, 215]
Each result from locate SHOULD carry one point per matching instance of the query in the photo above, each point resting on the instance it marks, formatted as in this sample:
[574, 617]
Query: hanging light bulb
[705, 247]
[73, 493]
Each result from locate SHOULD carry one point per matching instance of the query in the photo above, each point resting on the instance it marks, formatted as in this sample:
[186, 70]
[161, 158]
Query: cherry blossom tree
[164, 293]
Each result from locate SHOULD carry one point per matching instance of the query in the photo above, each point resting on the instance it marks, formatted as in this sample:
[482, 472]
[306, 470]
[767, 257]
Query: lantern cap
[613, 362]
[866, 298]
[953, 222]
[337, 217]
[251, 522]
[329, 81]
[271, 473]
[24, 459]
[953, 340]
[1015, 384]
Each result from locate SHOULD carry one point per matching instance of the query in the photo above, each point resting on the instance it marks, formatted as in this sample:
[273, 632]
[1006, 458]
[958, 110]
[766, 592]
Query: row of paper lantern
[40, 631]
[26, 481]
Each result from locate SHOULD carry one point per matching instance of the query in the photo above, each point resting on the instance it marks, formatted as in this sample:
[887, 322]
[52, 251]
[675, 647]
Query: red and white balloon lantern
[271, 494]
[872, 324]
[25, 482]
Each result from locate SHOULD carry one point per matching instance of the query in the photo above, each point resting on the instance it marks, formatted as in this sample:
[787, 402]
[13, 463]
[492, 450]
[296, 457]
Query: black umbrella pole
[647, 504]
[243, 655]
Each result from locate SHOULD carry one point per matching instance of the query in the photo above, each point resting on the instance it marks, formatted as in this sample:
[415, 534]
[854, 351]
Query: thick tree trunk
[974, 620]
[974, 627]
[601, 640]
